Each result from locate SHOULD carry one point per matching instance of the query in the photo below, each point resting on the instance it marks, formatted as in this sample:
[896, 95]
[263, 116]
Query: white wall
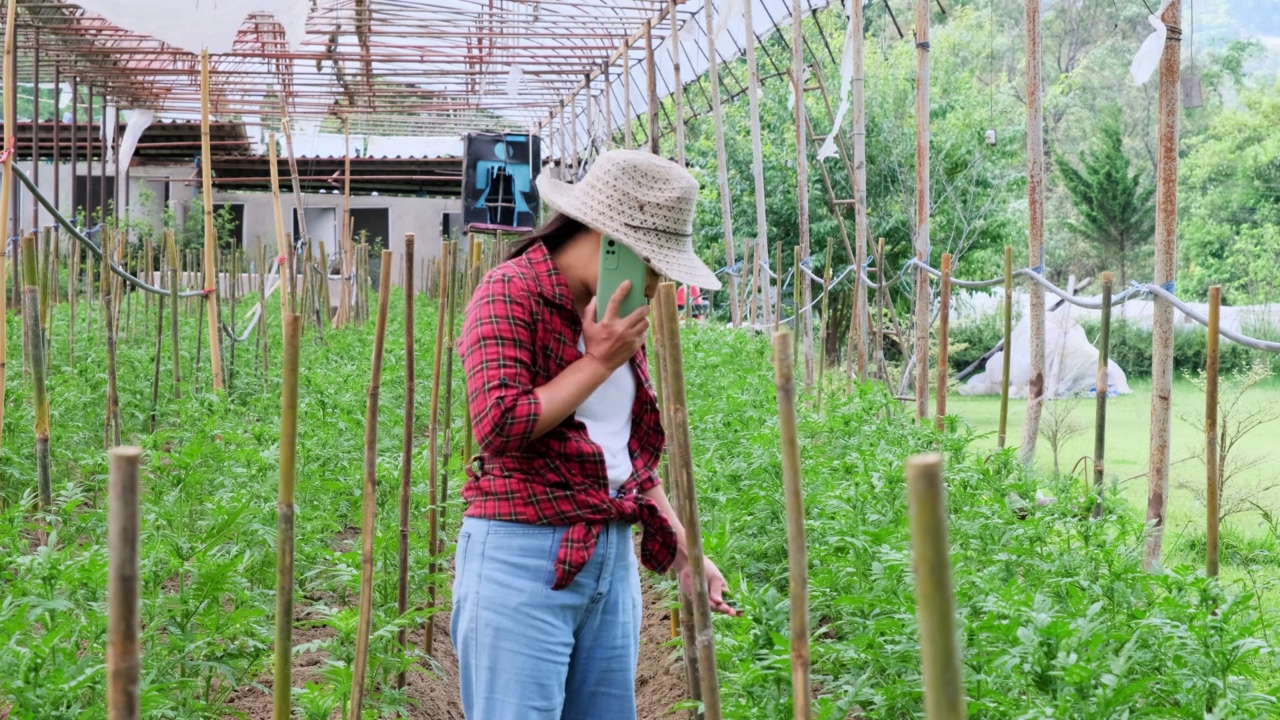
[420, 216]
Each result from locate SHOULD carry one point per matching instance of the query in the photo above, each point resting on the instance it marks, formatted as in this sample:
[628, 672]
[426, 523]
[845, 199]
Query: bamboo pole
[677, 96]
[797, 552]
[722, 162]
[406, 451]
[651, 86]
[150, 274]
[923, 207]
[935, 601]
[877, 338]
[73, 272]
[459, 273]
[757, 168]
[1008, 347]
[361, 664]
[1035, 243]
[173, 316]
[944, 325]
[323, 298]
[472, 284]
[112, 427]
[826, 305]
[35, 337]
[123, 584]
[6, 182]
[681, 457]
[155, 375]
[681, 616]
[626, 95]
[777, 315]
[45, 259]
[1100, 393]
[433, 440]
[343, 245]
[283, 686]
[284, 244]
[1166, 240]
[1213, 486]
[210, 233]
[805, 315]
[795, 298]
[861, 230]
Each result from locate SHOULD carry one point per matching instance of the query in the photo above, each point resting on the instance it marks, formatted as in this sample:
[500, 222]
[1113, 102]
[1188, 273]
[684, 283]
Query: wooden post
[210, 233]
[861, 230]
[944, 325]
[796, 258]
[651, 86]
[1166, 238]
[777, 315]
[112, 427]
[682, 475]
[73, 272]
[406, 448]
[805, 316]
[123, 583]
[155, 373]
[722, 162]
[1002, 434]
[1100, 392]
[433, 439]
[283, 685]
[797, 551]
[626, 95]
[361, 664]
[922, 339]
[935, 601]
[458, 270]
[1035, 246]
[1213, 485]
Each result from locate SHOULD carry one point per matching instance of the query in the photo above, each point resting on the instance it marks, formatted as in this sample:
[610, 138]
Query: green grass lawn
[1128, 428]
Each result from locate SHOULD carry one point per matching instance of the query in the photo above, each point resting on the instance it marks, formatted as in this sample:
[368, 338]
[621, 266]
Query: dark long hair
[553, 234]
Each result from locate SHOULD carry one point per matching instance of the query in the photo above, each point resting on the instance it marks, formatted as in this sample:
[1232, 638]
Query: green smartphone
[618, 263]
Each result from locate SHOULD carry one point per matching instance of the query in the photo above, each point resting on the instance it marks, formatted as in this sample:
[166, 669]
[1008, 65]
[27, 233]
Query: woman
[546, 599]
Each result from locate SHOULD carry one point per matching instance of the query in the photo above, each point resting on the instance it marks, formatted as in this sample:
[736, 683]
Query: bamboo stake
[284, 246]
[45, 260]
[777, 315]
[173, 316]
[210, 234]
[150, 274]
[433, 440]
[6, 184]
[797, 552]
[677, 97]
[944, 325]
[406, 453]
[681, 457]
[923, 206]
[860, 228]
[361, 664]
[264, 330]
[796, 258]
[155, 375]
[878, 338]
[73, 267]
[455, 287]
[935, 601]
[283, 686]
[826, 304]
[626, 95]
[472, 284]
[342, 247]
[682, 616]
[31, 327]
[1008, 347]
[123, 584]
[112, 427]
[1166, 241]
[1100, 393]
[1213, 485]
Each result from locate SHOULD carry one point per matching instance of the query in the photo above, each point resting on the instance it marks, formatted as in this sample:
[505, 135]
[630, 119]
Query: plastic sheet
[195, 25]
[1148, 57]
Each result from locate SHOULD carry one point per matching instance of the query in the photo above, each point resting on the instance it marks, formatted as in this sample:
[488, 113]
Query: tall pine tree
[1115, 206]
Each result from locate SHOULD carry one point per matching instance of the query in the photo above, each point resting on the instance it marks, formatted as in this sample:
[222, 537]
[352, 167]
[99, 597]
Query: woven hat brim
[682, 267]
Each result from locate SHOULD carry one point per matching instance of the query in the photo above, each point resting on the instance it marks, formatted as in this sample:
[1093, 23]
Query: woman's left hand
[716, 586]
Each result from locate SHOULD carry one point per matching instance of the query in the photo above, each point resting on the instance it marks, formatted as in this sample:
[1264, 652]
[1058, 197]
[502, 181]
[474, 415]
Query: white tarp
[1071, 362]
[195, 25]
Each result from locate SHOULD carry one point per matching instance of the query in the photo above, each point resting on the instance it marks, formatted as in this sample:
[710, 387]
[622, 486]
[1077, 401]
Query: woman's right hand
[615, 340]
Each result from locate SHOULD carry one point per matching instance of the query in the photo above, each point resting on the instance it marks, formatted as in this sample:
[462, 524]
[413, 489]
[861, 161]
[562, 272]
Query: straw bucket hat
[644, 202]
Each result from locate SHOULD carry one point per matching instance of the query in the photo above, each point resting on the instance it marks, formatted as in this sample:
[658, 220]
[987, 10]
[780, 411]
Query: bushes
[1131, 349]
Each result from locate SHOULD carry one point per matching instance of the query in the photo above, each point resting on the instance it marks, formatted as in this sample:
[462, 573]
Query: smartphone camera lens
[611, 242]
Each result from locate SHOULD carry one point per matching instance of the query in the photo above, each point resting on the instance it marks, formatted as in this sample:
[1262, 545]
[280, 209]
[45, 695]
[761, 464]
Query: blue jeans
[527, 652]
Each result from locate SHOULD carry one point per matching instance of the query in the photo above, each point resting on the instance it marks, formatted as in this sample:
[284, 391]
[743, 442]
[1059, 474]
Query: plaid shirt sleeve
[497, 346]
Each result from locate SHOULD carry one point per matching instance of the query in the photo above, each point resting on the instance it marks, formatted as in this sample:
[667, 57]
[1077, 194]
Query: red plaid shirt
[521, 331]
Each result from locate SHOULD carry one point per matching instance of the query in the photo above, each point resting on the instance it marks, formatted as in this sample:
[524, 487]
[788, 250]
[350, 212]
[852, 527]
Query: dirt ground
[659, 677]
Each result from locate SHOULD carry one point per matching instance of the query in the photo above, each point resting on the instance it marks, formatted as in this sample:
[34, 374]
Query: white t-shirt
[607, 415]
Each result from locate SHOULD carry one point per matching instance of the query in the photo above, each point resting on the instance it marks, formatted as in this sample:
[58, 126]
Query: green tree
[1114, 204]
